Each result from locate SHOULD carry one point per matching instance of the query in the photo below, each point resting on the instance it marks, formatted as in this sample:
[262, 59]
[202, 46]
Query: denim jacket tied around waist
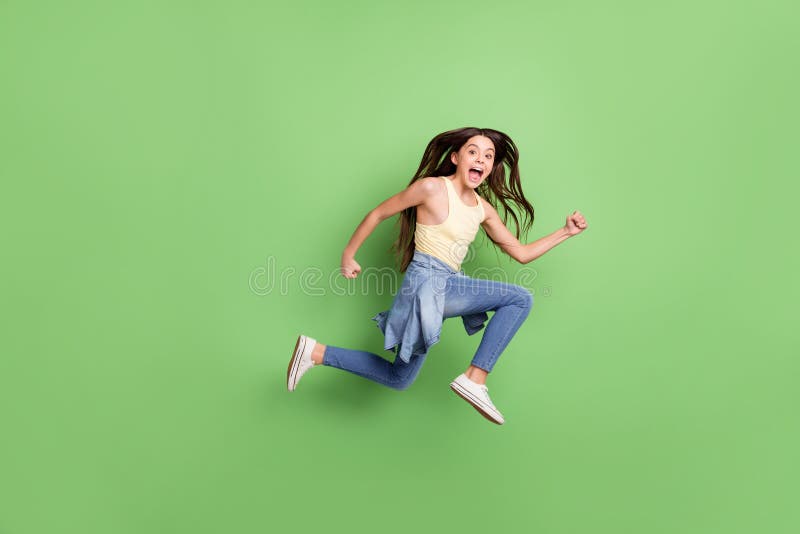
[414, 321]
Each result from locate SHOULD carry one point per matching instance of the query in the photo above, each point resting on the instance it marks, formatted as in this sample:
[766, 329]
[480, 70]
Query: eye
[471, 151]
[489, 156]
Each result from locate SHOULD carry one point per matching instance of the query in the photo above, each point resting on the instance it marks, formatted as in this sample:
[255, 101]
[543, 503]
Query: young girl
[460, 184]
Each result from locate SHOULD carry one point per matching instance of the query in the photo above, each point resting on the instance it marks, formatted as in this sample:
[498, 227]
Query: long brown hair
[496, 189]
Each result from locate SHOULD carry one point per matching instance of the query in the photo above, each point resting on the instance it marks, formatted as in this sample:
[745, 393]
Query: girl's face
[474, 160]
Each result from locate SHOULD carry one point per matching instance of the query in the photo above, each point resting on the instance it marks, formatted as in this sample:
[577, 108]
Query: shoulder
[430, 185]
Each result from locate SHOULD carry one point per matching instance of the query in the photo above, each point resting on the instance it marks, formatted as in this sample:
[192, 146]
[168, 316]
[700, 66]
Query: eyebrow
[476, 146]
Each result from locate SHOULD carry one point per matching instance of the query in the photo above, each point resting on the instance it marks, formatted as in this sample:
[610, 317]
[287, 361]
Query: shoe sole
[294, 363]
[467, 396]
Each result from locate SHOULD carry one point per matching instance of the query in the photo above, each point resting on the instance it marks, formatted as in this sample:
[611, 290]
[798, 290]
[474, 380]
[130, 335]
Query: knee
[401, 385]
[524, 298]
[403, 378]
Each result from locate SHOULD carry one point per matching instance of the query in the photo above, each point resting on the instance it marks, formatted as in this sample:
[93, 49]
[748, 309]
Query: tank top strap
[451, 194]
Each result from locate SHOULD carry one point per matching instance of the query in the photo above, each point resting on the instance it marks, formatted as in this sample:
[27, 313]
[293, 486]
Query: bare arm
[413, 195]
[509, 244]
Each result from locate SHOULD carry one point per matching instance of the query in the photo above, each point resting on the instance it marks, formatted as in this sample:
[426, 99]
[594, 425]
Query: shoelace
[486, 394]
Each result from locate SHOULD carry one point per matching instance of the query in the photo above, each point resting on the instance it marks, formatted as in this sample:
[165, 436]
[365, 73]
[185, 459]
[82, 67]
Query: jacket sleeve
[474, 322]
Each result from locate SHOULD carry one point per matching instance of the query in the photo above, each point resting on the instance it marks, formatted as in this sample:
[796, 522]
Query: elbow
[375, 215]
[518, 256]
[526, 257]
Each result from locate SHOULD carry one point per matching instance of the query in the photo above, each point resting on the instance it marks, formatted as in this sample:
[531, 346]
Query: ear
[454, 158]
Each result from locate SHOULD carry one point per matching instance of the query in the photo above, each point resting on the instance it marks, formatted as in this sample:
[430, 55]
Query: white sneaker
[477, 395]
[301, 361]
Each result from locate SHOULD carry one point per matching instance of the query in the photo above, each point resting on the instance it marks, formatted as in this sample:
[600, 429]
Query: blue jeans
[463, 295]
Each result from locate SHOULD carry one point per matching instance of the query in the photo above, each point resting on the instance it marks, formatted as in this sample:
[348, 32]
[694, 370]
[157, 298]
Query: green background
[157, 155]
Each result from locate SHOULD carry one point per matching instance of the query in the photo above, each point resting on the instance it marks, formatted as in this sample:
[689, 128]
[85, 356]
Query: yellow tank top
[450, 240]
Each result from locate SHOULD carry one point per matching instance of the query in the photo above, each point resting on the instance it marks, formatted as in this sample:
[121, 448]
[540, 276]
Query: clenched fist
[350, 267]
[576, 223]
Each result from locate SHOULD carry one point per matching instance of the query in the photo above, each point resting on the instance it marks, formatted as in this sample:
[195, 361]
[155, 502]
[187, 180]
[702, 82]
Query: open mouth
[475, 173]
